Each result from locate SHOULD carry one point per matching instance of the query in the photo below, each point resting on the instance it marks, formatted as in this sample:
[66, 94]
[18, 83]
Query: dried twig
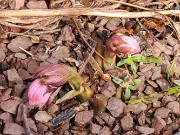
[26, 125]
[26, 51]
[68, 114]
[84, 11]
[87, 60]
[129, 4]
[43, 32]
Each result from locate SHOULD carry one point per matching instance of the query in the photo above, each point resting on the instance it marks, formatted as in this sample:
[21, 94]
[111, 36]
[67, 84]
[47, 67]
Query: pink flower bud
[54, 74]
[37, 93]
[119, 43]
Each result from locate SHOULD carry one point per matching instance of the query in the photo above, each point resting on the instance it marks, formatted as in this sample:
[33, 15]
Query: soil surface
[44, 42]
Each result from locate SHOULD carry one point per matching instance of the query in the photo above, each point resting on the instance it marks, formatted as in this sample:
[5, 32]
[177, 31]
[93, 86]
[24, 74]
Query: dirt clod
[127, 123]
[13, 129]
[84, 117]
[10, 106]
[145, 130]
[23, 42]
[115, 106]
[42, 116]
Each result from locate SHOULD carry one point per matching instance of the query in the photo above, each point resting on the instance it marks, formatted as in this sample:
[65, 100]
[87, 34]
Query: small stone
[147, 67]
[20, 55]
[149, 90]
[18, 90]
[19, 113]
[156, 73]
[167, 99]
[10, 106]
[145, 130]
[116, 129]
[115, 106]
[67, 34]
[62, 53]
[42, 116]
[163, 84]
[157, 104]
[52, 60]
[83, 117]
[162, 112]
[41, 56]
[168, 132]
[127, 123]
[137, 108]
[32, 124]
[148, 74]
[2, 56]
[174, 107]
[142, 85]
[102, 22]
[5, 95]
[99, 120]
[95, 129]
[24, 74]
[32, 65]
[41, 128]
[90, 27]
[53, 108]
[152, 83]
[172, 126]
[105, 131]
[169, 120]
[6, 117]
[113, 23]
[13, 129]
[108, 89]
[23, 42]
[107, 118]
[158, 124]
[141, 118]
[51, 133]
[47, 37]
[157, 47]
[14, 76]
[37, 4]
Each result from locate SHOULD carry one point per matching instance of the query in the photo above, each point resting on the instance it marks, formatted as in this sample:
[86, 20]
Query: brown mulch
[157, 38]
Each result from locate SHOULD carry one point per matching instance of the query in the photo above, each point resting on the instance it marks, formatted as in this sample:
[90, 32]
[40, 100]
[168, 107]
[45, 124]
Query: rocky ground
[157, 38]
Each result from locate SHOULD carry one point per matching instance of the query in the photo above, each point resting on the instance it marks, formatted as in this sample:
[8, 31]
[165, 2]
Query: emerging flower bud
[119, 43]
[55, 74]
[37, 93]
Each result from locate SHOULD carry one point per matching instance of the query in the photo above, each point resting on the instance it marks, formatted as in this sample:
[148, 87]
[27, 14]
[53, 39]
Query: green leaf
[137, 57]
[121, 62]
[117, 80]
[127, 94]
[71, 94]
[152, 60]
[129, 61]
[134, 68]
[137, 81]
[135, 101]
[173, 90]
[170, 69]
[132, 87]
[149, 101]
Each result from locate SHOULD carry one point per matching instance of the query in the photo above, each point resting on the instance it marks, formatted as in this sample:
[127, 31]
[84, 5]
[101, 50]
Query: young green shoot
[131, 59]
[127, 84]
